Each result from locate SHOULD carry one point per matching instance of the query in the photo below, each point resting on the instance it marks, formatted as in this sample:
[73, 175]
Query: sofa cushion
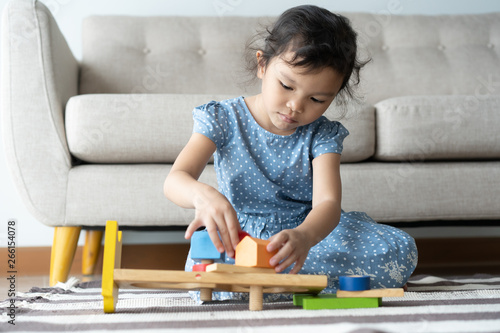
[130, 194]
[130, 128]
[387, 192]
[418, 128]
[153, 128]
[359, 120]
[430, 191]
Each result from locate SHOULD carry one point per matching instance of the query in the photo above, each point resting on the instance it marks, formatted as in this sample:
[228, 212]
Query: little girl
[277, 160]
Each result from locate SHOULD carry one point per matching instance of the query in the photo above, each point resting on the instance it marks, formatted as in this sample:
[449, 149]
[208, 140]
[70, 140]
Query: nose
[295, 105]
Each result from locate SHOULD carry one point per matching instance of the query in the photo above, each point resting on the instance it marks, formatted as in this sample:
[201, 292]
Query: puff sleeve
[211, 120]
[329, 138]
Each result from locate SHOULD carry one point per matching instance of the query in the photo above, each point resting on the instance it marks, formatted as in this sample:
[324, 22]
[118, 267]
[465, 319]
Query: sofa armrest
[39, 75]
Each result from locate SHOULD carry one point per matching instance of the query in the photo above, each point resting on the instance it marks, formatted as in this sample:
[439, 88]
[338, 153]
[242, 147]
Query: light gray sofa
[93, 140]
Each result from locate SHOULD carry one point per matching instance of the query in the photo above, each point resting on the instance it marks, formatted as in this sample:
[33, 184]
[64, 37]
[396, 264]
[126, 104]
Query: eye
[316, 100]
[285, 86]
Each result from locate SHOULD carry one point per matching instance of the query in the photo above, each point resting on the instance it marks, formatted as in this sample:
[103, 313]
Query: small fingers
[298, 266]
[277, 241]
[226, 239]
[282, 257]
[211, 228]
[233, 227]
[291, 252]
[192, 227]
[287, 262]
[214, 236]
[228, 227]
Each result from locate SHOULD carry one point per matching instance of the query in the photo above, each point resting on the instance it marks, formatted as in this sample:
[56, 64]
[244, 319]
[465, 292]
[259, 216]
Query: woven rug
[432, 304]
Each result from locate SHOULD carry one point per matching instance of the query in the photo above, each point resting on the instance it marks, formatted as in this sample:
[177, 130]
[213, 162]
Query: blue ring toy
[354, 282]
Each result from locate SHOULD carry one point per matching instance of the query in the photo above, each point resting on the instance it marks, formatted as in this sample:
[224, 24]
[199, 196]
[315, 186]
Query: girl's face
[292, 97]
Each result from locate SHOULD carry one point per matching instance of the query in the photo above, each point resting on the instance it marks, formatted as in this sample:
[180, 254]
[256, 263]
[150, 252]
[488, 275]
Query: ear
[261, 69]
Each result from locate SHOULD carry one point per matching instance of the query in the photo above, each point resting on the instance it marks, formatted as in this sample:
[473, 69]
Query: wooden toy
[238, 269]
[200, 267]
[242, 234]
[241, 279]
[356, 293]
[203, 248]
[331, 301]
[354, 282]
[388, 292]
[252, 252]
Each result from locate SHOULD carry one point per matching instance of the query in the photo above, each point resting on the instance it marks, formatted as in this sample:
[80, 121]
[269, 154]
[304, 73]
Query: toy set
[251, 273]
[354, 292]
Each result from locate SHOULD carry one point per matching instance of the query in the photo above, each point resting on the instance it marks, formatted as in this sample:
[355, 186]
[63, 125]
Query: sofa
[92, 140]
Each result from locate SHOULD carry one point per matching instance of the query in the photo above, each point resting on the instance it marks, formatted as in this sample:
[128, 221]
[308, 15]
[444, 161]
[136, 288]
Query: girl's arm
[213, 210]
[294, 244]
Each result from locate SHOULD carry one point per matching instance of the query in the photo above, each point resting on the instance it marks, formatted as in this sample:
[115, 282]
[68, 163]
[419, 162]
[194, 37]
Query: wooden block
[298, 298]
[200, 267]
[389, 292]
[203, 248]
[330, 301]
[252, 252]
[242, 234]
[354, 282]
[226, 268]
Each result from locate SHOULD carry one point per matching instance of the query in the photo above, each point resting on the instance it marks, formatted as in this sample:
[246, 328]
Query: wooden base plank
[226, 268]
[193, 280]
[389, 292]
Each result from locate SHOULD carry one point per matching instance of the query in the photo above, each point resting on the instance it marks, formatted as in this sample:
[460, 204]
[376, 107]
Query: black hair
[318, 38]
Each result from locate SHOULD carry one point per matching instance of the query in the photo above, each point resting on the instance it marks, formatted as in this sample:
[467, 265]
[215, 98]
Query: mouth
[286, 118]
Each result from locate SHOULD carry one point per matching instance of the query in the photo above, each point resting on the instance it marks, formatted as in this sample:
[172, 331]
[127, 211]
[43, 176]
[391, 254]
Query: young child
[277, 160]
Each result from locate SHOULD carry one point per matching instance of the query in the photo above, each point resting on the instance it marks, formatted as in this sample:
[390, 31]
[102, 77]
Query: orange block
[251, 252]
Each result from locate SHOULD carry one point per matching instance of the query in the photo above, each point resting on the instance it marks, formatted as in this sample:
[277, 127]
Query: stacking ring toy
[354, 282]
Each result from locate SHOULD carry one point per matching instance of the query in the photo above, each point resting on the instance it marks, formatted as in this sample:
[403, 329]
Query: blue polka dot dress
[268, 180]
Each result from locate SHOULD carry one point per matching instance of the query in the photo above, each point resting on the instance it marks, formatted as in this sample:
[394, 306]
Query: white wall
[69, 14]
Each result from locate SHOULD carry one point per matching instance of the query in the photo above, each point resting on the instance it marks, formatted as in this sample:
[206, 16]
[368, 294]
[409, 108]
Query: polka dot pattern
[268, 180]
[262, 173]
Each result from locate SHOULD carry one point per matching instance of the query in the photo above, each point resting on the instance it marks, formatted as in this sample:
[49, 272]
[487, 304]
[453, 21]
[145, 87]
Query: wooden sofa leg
[91, 249]
[63, 252]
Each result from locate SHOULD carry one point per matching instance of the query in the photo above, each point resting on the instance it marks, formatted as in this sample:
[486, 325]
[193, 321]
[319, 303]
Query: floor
[25, 283]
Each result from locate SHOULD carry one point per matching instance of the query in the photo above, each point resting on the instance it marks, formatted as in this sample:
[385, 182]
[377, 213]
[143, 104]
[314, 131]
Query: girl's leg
[360, 246]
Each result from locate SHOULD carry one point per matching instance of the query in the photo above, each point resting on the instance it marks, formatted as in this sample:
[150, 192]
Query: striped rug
[432, 304]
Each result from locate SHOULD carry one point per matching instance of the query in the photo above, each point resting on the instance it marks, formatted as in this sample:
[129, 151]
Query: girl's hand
[293, 247]
[217, 214]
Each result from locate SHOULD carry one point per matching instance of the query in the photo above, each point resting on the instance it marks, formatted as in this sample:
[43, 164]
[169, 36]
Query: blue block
[203, 248]
[354, 282]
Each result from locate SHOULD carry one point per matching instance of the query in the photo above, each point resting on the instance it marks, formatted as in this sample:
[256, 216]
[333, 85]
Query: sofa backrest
[411, 55]
[199, 55]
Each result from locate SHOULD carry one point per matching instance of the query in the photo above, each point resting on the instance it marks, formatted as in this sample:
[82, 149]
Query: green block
[297, 298]
[330, 301]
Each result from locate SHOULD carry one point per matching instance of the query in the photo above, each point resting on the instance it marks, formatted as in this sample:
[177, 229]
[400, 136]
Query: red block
[200, 267]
